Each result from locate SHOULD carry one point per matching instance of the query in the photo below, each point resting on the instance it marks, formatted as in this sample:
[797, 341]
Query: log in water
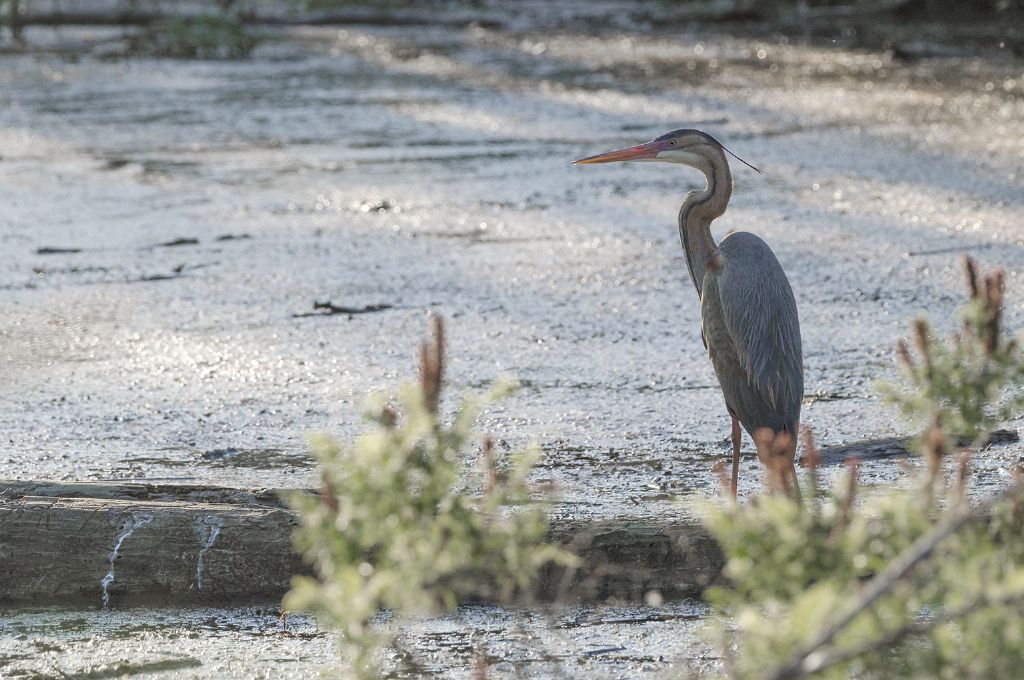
[131, 544]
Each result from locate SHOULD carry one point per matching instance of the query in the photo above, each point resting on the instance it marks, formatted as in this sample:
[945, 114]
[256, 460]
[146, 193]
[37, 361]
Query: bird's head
[690, 147]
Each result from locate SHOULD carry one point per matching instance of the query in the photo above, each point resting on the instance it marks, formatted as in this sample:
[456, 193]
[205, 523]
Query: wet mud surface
[206, 261]
[254, 642]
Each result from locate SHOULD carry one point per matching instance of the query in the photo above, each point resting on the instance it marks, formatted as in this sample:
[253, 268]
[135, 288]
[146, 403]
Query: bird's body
[749, 319]
[754, 345]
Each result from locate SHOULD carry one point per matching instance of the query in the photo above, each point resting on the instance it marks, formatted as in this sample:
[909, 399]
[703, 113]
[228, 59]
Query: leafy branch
[392, 527]
[815, 657]
[966, 384]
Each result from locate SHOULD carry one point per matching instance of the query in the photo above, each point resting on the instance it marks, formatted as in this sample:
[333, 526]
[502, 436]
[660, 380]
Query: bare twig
[995, 286]
[923, 341]
[432, 365]
[971, 270]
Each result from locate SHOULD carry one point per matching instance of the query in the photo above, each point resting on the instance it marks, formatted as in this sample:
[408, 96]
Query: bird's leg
[796, 484]
[790, 453]
[735, 455]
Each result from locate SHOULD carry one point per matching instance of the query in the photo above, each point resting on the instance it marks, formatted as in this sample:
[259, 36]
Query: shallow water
[198, 210]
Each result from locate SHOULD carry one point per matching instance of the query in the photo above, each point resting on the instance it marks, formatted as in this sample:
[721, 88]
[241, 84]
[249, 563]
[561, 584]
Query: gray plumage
[752, 331]
[749, 320]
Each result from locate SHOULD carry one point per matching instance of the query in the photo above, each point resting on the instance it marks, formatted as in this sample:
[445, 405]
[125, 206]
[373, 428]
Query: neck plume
[699, 209]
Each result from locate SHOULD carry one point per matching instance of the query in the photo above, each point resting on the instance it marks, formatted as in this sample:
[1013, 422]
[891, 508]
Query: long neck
[699, 209]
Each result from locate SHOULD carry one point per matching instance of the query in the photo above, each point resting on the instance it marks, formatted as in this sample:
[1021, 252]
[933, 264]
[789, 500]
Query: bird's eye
[671, 142]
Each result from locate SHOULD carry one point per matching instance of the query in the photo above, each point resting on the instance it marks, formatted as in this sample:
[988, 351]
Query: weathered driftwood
[62, 550]
[165, 544]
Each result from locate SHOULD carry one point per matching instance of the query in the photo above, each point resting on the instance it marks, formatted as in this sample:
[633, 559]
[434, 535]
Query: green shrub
[970, 383]
[209, 36]
[393, 527]
[914, 582]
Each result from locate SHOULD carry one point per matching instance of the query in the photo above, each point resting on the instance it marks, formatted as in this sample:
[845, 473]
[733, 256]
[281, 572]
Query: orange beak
[633, 153]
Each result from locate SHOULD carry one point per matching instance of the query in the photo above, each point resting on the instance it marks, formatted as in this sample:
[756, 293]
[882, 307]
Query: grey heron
[749, 321]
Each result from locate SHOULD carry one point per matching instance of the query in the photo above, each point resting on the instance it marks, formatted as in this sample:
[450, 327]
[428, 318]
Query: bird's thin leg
[735, 454]
[796, 484]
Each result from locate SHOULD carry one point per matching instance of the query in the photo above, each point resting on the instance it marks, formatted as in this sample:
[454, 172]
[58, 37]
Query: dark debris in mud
[822, 395]
[590, 619]
[258, 459]
[173, 243]
[330, 309]
[47, 271]
[51, 250]
[175, 273]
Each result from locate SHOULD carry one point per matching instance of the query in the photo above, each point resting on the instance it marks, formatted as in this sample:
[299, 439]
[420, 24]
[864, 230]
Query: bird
[748, 315]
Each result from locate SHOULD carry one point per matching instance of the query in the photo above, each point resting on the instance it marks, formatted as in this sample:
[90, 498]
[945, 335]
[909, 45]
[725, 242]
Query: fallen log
[131, 544]
[103, 551]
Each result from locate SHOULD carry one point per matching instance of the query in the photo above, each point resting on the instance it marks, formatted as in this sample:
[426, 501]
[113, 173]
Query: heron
[748, 316]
